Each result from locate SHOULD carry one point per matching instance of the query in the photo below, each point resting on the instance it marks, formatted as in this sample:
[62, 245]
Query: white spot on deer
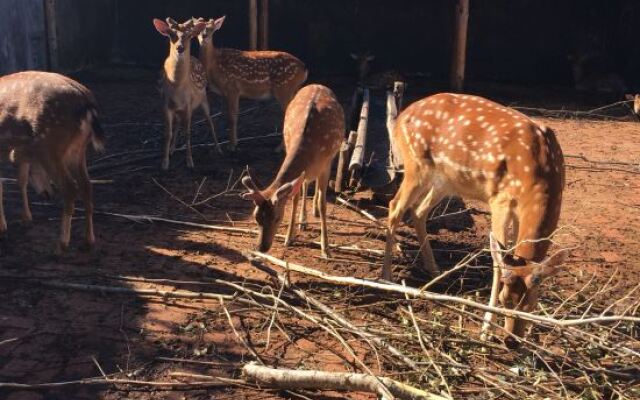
[527, 168]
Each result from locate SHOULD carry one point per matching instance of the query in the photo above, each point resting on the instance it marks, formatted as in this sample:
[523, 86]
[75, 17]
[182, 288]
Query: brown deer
[377, 81]
[313, 133]
[183, 85]
[466, 145]
[46, 122]
[254, 75]
[636, 102]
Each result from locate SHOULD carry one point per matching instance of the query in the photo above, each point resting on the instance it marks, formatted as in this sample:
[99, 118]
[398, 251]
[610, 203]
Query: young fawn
[465, 145]
[248, 74]
[313, 133]
[184, 85]
[46, 122]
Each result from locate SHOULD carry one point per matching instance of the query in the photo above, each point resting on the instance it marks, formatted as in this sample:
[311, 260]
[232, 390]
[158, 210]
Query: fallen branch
[392, 287]
[345, 381]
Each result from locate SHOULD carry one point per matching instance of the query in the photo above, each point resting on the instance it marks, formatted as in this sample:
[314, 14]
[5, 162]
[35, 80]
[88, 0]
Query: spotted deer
[183, 85]
[381, 81]
[46, 122]
[466, 145]
[636, 102]
[313, 132]
[256, 75]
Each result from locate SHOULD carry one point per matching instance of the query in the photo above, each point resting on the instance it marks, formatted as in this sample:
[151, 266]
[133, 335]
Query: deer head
[269, 210]
[363, 61]
[179, 35]
[521, 280]
[211, 26]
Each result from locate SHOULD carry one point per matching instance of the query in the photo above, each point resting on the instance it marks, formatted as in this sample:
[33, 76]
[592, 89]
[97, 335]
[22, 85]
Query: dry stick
[390, 287]
[607, 162]
[295, 379]
[229, 364]
[237, 382]
[359, 211]
[177, 294]
[102, 381]
[179, 200]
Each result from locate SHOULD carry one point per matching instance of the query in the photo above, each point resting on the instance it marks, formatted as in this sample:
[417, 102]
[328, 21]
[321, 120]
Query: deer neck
[177, 67]
[292, 166]
[209, 55]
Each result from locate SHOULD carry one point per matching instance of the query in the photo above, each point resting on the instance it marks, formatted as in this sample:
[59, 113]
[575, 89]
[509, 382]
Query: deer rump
[51, 130]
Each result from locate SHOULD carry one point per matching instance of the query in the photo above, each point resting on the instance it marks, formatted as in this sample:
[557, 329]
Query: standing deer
[46, 122]
[183, 85]
[256, 75]
[313, 133]
[465, 145]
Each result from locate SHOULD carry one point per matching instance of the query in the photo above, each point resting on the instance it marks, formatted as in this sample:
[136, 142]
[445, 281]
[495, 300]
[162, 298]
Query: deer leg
[284, 98]
[207, 112]
[303, 205]
[233, 103]
[404, 198]
[86, 193]
[168, 137]
[187, 134]
[419, 216]
[315, 202]
[23, 182]
[321, 190]
[500, 219]
[291, 230]
[3, 221]
[69, 191]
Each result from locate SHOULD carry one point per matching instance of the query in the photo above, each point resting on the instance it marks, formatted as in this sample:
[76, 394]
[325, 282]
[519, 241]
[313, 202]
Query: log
[264, 24]
[459, 52]
[394, 101]
[52, 34]
[344, 381]
[357, 158]
[345, 150]
[253, 24]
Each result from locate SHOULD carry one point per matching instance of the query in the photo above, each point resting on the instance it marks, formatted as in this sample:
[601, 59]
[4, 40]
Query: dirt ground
[50, 334]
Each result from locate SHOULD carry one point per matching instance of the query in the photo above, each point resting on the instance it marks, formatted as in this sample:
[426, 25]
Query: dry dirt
[51, 335]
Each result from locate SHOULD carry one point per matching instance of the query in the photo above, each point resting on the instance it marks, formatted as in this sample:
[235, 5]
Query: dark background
[511, 41]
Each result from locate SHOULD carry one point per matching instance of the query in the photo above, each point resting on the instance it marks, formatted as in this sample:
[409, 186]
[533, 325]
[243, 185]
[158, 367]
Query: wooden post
[52, 34]
[357, 157]
[264, 25]
[459, 45]
[253, 24]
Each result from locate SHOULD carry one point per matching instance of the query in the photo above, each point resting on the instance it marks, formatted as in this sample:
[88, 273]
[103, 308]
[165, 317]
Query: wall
[22, 36]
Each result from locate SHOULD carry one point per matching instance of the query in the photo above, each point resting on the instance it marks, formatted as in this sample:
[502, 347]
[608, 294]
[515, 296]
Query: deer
[382, 81]
[183, 86]
[313, 132]
[636, 102]
[256, 75]
[454, 144]
[46, 124]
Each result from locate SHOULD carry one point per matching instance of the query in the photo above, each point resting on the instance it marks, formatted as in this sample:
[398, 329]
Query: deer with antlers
[46, 123]
[313, 132]
[183, 85]
[466, 145]
[256, 75]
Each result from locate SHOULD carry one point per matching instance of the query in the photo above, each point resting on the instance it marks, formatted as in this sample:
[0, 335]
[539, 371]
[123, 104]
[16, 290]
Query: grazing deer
[183, 85]
[46, 122]
[256, 75]
[465, 145]
[381, 81]
[313, 133]
[636, 102]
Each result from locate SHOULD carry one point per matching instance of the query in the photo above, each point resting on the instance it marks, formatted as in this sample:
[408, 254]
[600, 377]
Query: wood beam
[264, 25]
[253, 24]
[459, 53]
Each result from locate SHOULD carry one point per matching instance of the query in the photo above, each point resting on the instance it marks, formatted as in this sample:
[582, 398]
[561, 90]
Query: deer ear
[161, 27]
[288, 189]
[496, 250]
[629, 97]
[354, 56]
[217, 24]
[198, 28]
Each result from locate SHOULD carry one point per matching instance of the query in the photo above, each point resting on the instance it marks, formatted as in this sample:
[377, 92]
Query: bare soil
[51, 335]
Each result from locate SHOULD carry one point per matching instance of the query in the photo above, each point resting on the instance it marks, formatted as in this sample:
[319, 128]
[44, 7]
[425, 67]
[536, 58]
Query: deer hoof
[326, 254]
[165, 165]
[61, 249]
